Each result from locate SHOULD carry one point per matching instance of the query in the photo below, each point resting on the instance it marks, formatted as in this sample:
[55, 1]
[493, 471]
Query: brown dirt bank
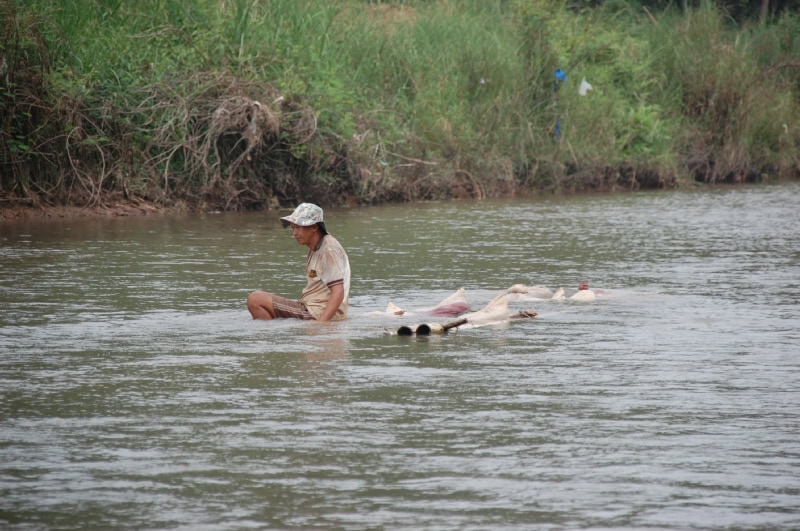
[526, 182]
[21, 212]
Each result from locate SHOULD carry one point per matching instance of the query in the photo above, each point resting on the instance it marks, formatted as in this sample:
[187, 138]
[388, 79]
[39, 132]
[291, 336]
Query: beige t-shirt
[326, 266]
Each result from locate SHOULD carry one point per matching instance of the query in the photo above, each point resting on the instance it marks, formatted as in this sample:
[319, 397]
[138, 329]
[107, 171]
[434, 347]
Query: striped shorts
[290, 309]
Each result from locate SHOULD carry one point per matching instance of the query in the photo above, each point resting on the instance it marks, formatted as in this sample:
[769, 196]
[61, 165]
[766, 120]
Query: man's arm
[337, 296]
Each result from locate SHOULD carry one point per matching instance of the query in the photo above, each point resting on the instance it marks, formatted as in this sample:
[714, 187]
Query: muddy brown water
[135, 392]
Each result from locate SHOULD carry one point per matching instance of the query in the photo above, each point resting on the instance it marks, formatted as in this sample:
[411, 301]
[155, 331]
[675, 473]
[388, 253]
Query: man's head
[305, 215]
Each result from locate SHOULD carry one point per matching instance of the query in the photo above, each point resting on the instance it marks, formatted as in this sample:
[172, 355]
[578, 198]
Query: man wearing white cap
[326, 295]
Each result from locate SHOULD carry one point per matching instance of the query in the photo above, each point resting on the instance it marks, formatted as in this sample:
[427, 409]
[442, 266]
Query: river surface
[137, 393]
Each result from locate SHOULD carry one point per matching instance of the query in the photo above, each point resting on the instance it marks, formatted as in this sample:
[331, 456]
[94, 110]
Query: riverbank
[250, 106]
[610, 181]
[55, 212]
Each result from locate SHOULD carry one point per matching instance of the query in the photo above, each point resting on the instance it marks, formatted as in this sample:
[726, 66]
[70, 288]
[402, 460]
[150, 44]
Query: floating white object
[584, 295]
[452, 306]
[495, 312]
[523, 292]
[584, 88]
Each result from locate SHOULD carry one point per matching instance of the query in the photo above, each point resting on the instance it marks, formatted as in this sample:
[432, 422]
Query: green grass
[369, 101]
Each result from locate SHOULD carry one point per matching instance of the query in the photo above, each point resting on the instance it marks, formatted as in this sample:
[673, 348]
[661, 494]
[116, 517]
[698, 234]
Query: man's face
[303, 235]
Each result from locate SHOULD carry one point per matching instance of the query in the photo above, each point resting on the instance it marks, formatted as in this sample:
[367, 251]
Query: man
[326, 295]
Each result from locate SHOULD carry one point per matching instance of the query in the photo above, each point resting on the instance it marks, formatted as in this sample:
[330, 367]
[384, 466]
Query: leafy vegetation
[251, 103]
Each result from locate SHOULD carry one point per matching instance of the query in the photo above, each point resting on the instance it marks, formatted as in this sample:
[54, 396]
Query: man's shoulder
[330, 242]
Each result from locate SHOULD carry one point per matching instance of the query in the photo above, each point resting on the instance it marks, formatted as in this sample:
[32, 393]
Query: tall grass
[242, 103]
[732, 91]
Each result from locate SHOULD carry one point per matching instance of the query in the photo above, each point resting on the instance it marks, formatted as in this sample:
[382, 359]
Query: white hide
[495, 312]
[391, 309]
[523, 292]
[460, 296]
[583, 295]
[457, 298]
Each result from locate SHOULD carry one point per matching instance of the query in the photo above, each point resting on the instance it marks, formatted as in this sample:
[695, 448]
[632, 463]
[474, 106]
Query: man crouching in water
[326, 295]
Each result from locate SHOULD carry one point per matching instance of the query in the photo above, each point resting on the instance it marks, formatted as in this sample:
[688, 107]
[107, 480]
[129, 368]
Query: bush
[247, 104]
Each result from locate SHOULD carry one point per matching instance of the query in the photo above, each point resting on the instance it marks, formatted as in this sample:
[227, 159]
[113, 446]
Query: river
[137, 393]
